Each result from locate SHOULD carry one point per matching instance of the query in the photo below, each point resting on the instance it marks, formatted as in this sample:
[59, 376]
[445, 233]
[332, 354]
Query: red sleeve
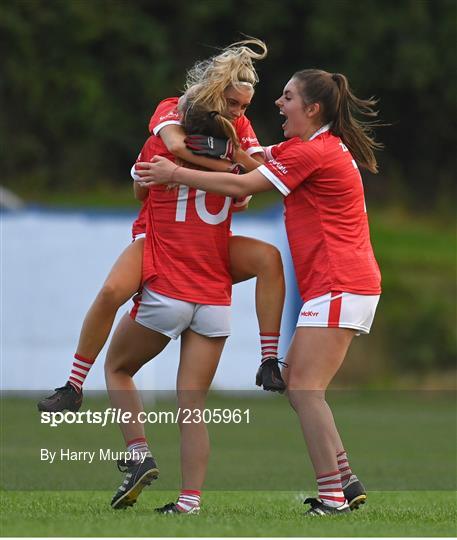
[296, 162]
[248, 139]
[165, 114]
[273, 151]
[151, 147]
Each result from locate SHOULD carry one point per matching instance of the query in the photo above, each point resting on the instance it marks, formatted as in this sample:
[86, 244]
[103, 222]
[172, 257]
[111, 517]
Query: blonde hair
[207, 80]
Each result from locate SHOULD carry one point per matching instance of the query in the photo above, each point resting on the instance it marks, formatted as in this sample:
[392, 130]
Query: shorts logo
[309, 313]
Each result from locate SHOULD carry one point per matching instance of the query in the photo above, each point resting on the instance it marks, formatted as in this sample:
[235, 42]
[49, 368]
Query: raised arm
[173, 137]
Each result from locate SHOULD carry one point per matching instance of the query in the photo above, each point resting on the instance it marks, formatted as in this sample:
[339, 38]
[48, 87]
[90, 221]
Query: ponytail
[340, 107]
[227, 129]
[197, 119]
[356, 134]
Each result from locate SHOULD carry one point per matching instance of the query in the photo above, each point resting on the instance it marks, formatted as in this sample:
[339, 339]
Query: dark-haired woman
[316, 170]
[186, 293]
[223, 83]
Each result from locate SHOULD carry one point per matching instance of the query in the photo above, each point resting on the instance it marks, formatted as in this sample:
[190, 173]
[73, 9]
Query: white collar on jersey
[323, 129]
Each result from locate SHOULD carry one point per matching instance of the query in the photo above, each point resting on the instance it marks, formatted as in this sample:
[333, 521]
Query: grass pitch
[402, 445]
[225, 514]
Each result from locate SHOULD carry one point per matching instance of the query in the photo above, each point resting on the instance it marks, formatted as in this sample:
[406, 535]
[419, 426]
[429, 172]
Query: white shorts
[340, 310]
[171, 317]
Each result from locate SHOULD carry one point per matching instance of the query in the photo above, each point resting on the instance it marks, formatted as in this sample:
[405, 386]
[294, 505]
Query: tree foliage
[79, 80]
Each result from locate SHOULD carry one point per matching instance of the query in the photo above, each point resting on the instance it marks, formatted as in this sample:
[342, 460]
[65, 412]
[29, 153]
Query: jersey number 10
[200, 207]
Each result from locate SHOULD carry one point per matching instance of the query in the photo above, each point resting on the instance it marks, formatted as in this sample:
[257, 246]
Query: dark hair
[197, 119]
[338, 107]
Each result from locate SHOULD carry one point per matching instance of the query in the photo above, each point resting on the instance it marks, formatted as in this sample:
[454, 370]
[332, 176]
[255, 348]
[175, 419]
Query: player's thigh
[124, 278]
[199, 359]
[249, 255]
[132, 345]
[314, 357]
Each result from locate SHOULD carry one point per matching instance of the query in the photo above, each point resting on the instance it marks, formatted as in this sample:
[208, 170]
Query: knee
[110, 296]
[304, 397]
[311, 387]
[191, 399]
[115, 367]
[268, 259]
[274, 257]
[109, 367]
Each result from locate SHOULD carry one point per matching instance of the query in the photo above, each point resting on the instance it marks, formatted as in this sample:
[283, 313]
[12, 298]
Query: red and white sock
[344, 467]
[189, 499]
[139, 447]
[330, 489]
[269, 344]
[79, 370]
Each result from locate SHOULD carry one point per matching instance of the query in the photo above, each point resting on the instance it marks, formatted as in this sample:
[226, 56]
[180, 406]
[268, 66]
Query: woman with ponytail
[329, 132]
[186, 293]
[223, 84]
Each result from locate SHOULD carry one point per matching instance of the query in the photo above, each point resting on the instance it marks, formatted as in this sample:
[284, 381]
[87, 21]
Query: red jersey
[325, 215]
[167, 114]
[186, 254]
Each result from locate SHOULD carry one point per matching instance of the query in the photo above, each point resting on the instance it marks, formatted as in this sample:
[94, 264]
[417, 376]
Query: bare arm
[163, 171]
[173, 137]
[140, 192]
[249, 162]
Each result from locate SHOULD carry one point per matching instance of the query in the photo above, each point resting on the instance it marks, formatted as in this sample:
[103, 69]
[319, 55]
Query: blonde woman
[225, 84]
